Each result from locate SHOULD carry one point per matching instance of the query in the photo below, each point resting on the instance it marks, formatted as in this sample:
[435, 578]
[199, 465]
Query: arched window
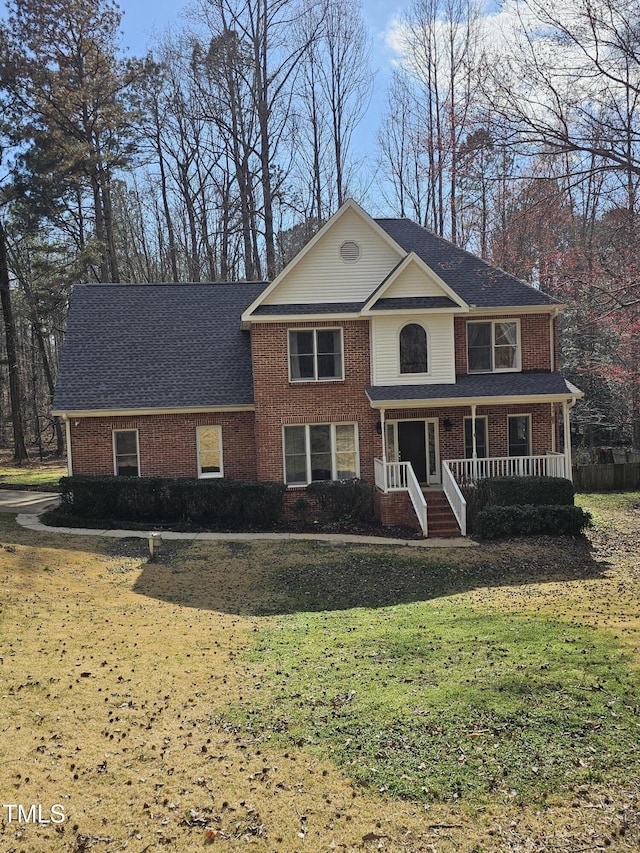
[413, 349]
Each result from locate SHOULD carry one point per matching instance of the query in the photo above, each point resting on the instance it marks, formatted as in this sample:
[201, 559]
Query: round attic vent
[349, 251]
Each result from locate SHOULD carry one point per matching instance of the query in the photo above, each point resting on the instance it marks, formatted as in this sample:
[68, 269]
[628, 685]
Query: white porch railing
[455, 497]
[400, 477]
[469, 470]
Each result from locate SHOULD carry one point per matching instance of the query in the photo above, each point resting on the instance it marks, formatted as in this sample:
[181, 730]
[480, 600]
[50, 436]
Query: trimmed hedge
[344, 500]
[496, 522]
[521, 491]
[218, 504]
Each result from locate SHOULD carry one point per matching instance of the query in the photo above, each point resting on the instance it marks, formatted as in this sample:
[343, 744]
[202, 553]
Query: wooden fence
[611, 477]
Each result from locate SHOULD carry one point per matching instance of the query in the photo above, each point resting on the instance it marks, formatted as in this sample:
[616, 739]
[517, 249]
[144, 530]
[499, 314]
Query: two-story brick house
[381, 352]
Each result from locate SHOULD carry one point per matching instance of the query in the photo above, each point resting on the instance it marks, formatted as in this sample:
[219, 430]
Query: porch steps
[440, 518]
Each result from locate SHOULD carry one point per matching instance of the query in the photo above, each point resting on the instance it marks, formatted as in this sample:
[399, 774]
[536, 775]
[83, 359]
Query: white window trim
[113, 447]
[209, 474]
[518, 367]
[523, 415]
[315, 331]
[307, 442]
[426, 373]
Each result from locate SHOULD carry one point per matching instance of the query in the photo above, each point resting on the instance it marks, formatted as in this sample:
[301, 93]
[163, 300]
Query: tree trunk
[15, 391]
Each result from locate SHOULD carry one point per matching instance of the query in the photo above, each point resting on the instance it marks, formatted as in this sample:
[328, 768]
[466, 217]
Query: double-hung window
[320, 452]
[126, 453]
[493, 346]
[315, 355]
[209, 446]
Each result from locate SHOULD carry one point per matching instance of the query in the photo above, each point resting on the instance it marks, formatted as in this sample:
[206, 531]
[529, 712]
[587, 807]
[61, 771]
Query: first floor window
[126, 455]
[519, 435]
[492, 347]
[209, 440]
[315, 355]
[481, 437]
[320, 452]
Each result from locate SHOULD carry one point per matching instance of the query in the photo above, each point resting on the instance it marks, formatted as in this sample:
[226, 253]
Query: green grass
[435, 701]
[31, 476]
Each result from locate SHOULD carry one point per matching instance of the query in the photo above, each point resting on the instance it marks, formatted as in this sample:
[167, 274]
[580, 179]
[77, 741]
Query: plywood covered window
[209, 440]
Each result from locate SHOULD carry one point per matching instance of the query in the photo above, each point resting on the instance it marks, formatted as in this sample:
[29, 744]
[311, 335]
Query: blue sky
[142, 18]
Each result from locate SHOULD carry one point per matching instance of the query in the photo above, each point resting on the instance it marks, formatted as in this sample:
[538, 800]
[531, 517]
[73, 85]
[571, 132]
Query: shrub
[496, 522]
[344, 500]
[515, 491]
[532, 491]
[220, 504]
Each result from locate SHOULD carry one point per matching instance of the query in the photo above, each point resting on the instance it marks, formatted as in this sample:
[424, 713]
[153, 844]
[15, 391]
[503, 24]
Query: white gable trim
[393, 276]
[350, 204]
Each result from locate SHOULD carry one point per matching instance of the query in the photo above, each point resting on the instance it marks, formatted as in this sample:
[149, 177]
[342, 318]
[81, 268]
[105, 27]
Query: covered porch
[441, 437]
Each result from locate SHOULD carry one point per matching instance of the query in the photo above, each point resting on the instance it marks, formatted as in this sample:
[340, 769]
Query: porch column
[474, 447]
[383, 434]
[567, 440]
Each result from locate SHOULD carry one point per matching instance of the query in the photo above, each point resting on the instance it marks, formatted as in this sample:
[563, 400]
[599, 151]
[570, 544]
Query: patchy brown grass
[115, 673]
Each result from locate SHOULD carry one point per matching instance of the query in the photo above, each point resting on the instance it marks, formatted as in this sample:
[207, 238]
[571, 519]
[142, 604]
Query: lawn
[33, 474]
[297, 696]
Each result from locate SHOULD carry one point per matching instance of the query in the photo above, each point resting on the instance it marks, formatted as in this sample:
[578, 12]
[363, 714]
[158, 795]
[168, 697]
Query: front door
[418, 443]
[412, 447]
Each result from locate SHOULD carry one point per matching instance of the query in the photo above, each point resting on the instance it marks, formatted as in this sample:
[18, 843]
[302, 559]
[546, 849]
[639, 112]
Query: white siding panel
[386, 351]
[412, 281]
[322, 276]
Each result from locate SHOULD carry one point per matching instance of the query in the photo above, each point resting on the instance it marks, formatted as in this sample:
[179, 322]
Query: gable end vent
[349, 252]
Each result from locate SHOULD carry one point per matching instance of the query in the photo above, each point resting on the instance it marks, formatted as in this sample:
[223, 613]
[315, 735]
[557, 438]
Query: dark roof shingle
[156, 346]
[475, 281]
[477, 386]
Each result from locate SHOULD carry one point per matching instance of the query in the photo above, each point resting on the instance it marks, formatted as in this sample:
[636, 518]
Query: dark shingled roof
[409, 303]
[309, 308]
[156, 346]
[475, 281]
[477, 386]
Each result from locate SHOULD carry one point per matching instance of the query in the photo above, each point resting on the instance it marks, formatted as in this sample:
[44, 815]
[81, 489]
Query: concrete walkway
[29, 510]
[23, 501]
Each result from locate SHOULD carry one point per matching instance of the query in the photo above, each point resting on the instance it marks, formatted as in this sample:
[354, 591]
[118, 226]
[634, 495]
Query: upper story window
[126, 453]
[315, 355]
[413, 349]
[493, 346]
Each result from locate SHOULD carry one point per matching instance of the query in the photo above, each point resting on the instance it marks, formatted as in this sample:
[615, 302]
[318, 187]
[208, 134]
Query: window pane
[209, 450]
[506, 334]
[506, 358]
[345, 438]
[126, 442]
[413, 349]
[295, 454]
[346, 466]
[301, 350]
[518, 435]
[295, 440]
[346, 452]
[329, 354]
[320, 441]
[479, 347]
[127, 466]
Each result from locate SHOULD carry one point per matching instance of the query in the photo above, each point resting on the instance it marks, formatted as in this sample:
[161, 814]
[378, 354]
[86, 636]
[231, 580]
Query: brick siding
[279, 402]
[167, 443]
